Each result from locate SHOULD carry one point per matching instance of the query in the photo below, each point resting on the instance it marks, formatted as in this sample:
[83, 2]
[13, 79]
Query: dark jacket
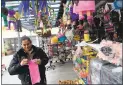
[22, 71]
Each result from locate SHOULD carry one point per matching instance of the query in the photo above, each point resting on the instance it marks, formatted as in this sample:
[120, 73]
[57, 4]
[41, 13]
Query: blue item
[118, 4]
[62, 39]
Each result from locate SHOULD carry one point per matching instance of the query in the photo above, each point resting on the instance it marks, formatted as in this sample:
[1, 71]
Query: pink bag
[34, 72]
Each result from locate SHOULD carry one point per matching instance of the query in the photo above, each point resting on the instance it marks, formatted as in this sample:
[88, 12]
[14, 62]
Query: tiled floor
[61, 72]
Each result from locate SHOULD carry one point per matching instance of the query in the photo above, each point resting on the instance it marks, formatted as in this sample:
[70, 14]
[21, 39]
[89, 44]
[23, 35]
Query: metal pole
[19, 41]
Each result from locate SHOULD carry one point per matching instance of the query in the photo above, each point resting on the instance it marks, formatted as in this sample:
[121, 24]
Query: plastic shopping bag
[34, 72]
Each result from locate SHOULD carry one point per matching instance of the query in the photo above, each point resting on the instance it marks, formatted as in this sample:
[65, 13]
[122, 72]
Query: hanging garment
[34, 72]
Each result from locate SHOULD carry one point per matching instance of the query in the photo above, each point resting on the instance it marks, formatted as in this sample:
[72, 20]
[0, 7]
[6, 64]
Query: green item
[79, 60]
[10, 8]
[5, 19]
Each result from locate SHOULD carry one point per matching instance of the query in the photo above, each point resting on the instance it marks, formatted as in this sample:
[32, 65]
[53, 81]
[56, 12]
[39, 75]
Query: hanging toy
[4, 15]
[18, 22]
[40, 20]
[54, 40]
[86, 36]
[73, 15]
[11, 18]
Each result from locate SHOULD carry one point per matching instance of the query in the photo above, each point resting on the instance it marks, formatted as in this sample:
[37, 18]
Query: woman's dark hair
[25, 38]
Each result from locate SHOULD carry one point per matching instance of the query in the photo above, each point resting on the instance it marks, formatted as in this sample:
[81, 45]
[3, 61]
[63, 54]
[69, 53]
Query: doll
[18, 22]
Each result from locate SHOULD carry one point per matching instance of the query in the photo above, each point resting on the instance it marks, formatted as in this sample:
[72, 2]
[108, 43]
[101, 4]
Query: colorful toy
[11, 18]
[54, 40]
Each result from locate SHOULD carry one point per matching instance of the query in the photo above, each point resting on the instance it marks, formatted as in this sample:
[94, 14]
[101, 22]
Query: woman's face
[26, 44]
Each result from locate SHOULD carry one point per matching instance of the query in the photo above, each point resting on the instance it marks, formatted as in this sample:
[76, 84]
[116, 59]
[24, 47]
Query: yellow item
[76, 37]
[74, 58]
[87, 69]
[81, 82]
[54, 40]
[17, 15]
[88, 13]
[86, 37]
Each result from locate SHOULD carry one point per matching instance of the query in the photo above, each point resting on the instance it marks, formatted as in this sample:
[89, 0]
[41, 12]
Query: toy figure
[11, 18]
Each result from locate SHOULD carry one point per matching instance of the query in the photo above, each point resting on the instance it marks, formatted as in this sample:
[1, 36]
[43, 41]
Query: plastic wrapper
[95, 70]
[109, 76]
[109, 52]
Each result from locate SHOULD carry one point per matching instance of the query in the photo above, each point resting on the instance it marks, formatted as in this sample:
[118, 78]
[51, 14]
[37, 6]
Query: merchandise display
[81, 60]
[87, 34]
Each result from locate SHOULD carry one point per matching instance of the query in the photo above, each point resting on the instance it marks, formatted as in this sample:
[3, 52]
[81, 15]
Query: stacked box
[111, 74]
[102, 72]
[95, 70]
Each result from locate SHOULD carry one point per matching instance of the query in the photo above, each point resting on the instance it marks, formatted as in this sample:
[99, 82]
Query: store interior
[82, 38]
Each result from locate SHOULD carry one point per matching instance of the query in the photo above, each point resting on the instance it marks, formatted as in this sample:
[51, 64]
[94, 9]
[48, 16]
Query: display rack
[81, 63]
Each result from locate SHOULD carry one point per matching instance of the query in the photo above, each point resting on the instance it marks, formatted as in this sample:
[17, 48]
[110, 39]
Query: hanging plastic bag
[78, 52]
[34, 72]
[69, 34]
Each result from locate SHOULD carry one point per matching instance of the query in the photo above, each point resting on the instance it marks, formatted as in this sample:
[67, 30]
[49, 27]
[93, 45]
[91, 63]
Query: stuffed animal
[11, 18]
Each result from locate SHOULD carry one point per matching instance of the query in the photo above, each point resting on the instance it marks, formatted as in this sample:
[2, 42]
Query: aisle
[62, 72]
